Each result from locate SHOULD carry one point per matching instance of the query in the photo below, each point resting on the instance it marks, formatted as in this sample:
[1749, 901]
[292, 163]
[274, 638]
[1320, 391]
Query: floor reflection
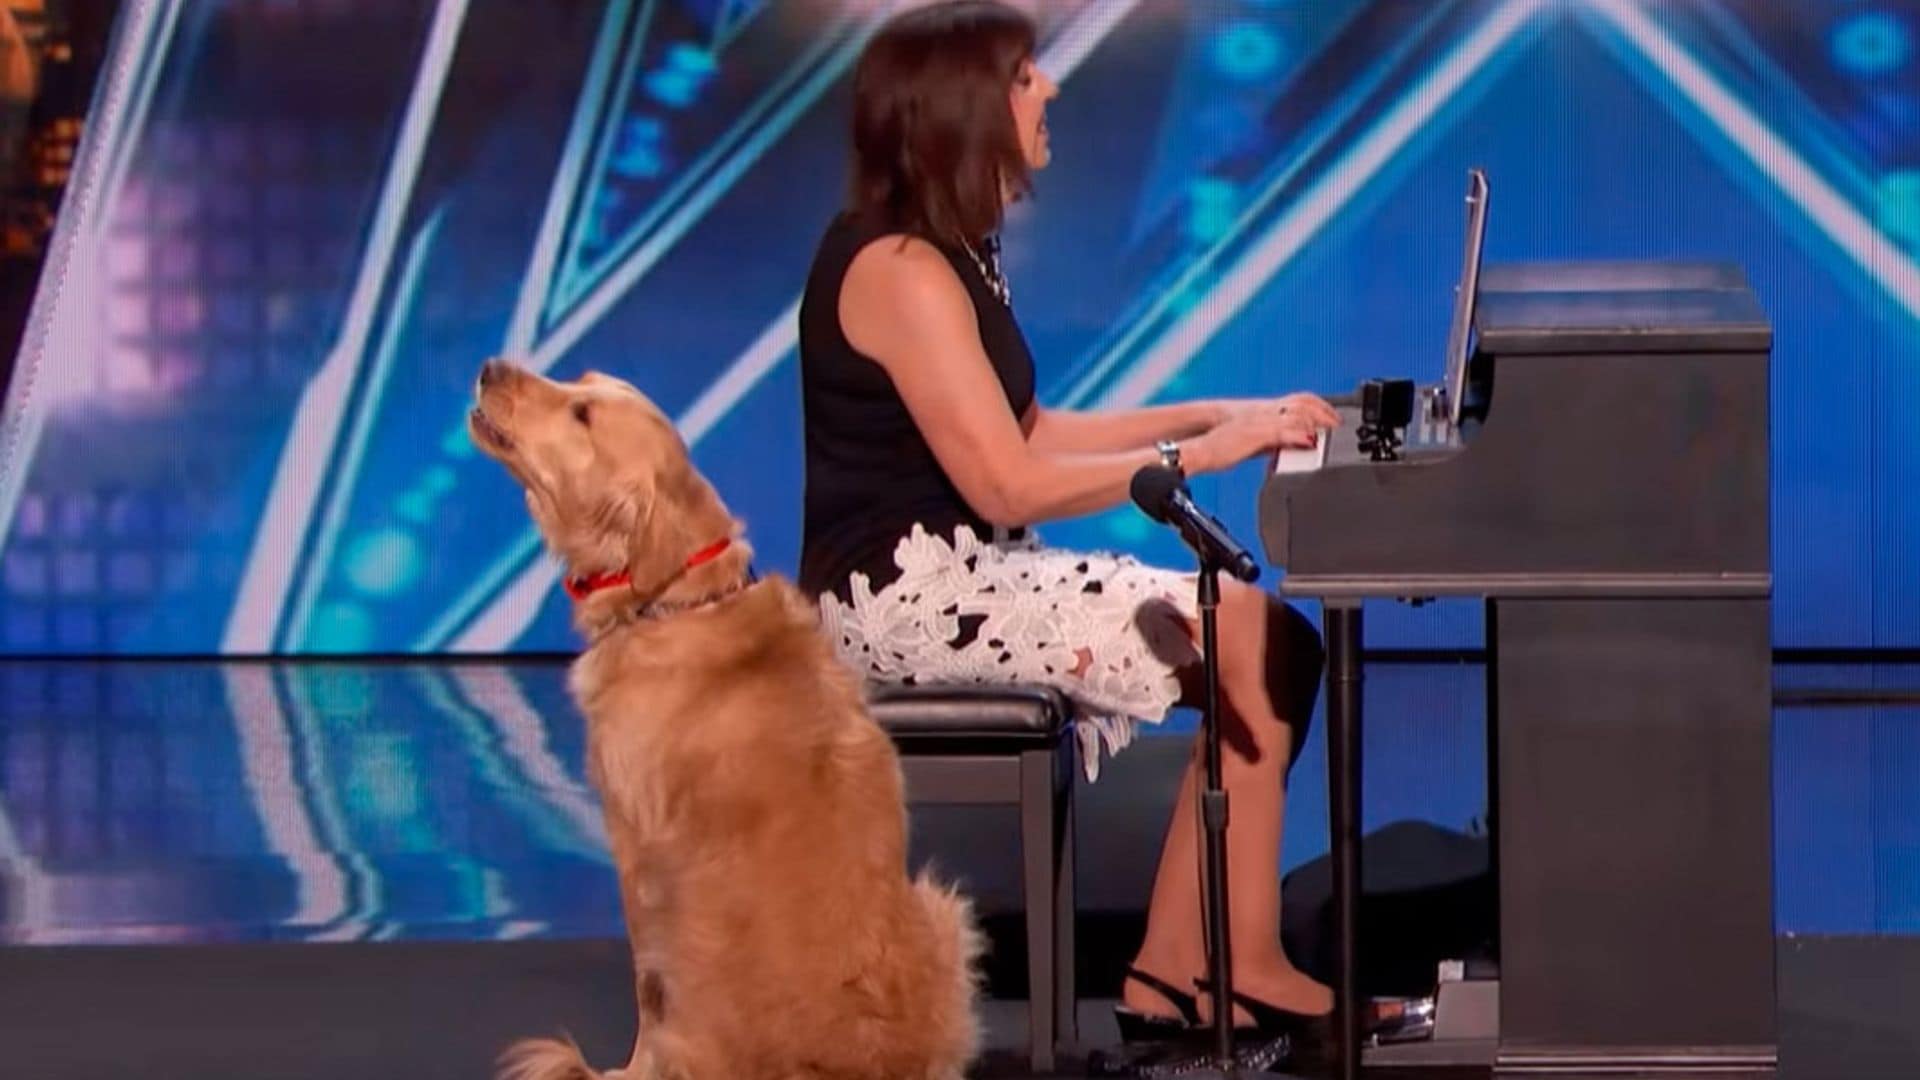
[203, 801]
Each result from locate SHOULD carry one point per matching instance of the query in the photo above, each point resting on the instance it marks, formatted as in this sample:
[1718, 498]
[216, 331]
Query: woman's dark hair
[935, 152]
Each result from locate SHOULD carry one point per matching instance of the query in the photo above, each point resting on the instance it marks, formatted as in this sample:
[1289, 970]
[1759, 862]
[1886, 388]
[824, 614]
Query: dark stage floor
[393, 869]
[443, 1010]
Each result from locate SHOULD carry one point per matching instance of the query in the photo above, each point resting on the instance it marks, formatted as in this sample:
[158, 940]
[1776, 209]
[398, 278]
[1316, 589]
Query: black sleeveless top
[870, 476]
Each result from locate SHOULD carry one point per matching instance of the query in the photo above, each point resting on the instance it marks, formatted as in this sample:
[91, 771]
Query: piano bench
[1005, 746]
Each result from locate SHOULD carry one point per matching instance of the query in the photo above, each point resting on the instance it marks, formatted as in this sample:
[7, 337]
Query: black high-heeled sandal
[1136, 1026]
[1271, 1018]
[1312, 1034]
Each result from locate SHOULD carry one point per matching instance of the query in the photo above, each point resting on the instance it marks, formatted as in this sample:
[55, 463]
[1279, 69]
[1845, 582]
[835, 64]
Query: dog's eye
[580, 411]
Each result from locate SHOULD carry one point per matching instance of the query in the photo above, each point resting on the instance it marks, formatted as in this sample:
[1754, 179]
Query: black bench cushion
[943, 713]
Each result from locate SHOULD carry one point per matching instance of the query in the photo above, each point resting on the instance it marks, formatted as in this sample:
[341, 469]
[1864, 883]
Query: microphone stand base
[1255, 1059]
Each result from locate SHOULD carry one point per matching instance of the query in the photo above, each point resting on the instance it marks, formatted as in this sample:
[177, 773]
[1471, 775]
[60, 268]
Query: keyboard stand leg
[1344, 674]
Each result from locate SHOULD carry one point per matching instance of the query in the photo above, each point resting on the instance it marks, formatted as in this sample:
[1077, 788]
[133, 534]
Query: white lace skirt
[1104, 629]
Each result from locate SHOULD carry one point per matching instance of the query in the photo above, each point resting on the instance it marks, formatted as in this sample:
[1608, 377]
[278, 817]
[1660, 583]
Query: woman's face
[1030, 94]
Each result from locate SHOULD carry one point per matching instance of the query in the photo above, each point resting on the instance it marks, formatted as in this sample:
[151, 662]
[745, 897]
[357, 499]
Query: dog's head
[607, 476]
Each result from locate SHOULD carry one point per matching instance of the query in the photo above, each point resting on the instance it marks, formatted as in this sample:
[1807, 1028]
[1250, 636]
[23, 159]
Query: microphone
[1162, 493]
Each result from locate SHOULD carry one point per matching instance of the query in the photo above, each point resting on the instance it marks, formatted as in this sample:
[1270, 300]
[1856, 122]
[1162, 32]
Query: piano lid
[1619, 275]
[1618, 308]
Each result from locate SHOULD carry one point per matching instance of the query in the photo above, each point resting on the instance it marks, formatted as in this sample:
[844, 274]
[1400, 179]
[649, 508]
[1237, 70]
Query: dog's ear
[668, 528]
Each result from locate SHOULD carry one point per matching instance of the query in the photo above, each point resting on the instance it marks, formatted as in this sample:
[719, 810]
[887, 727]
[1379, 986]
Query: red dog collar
[579, 588]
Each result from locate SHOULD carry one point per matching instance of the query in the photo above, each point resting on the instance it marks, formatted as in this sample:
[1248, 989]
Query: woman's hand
[1310, 405]
[1249, 428]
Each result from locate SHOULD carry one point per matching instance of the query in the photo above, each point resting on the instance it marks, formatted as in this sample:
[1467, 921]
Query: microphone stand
[1213, 816]
[1222, 1063]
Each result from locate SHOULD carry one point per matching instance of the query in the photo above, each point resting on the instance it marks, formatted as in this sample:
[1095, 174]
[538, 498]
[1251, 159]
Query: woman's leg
[1270, 662]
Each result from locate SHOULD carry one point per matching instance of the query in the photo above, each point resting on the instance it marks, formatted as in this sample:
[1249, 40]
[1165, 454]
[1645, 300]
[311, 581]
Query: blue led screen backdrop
[297, 228]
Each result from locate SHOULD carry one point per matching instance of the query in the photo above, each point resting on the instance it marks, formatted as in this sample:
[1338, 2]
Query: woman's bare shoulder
[897, 262]
[898, 289]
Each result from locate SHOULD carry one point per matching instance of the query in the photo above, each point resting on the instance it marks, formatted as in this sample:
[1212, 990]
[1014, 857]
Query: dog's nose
[490, 372]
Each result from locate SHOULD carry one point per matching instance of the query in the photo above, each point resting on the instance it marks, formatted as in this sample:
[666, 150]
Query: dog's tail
[545, 1059]
[951, 1028]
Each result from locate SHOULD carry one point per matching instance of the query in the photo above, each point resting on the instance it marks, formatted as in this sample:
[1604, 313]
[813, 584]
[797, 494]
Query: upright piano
[1606, 494]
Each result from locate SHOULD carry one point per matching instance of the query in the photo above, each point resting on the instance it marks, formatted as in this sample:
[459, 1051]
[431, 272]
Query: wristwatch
[1170, 455]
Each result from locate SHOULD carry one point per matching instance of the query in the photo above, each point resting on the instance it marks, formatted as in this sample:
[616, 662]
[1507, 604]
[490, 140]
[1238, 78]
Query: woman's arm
[1071, 431]
[1130, 429]
[903, 305]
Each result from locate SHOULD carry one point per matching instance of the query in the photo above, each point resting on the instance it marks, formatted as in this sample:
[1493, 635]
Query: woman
[927, 457]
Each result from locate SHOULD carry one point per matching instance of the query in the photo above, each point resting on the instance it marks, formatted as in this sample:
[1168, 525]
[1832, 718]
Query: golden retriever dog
[753, 805]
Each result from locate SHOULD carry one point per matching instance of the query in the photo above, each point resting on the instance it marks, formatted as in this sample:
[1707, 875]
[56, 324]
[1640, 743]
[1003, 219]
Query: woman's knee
[1290, 657]
[1296, 659]
[1289, 639]
[1294, 642]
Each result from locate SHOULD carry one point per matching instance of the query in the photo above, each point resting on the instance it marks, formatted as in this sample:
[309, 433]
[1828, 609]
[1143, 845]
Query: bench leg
[1046, 850]
[1066, 999]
